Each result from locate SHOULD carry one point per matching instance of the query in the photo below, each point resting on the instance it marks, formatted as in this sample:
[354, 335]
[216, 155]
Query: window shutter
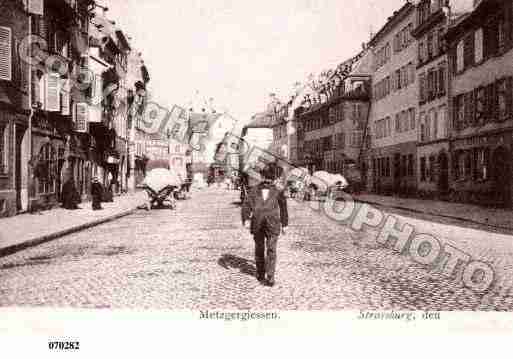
[97, 89]
[459, 56]
[38, 90]
[53, 92]
[478, 49]
[36, 7]
[43, 29]
[65, 97]
[81, 115]
[5, 54]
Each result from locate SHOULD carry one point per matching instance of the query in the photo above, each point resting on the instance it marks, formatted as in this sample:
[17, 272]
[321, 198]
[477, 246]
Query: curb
[436, 214]
[49, 237]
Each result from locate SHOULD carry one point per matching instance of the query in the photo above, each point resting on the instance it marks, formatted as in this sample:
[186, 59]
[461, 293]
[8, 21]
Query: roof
[466, 20]
[392, 21]
[261, 120]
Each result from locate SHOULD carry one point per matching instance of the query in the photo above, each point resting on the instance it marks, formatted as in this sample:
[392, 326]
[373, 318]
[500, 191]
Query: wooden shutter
[5, 54]
[97, 92]
[52, 95]
[81, 115]
[65, 97]
[460, 65]
[478, 45]
[43, 29]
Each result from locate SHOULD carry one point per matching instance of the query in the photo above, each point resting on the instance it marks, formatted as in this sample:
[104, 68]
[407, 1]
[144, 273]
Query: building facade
[394, 105]
[432, 169]
[65, 101]
[481, 104]
[14, 110]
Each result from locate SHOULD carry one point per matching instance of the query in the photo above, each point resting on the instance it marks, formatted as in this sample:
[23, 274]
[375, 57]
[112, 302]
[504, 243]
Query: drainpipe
[31, 115]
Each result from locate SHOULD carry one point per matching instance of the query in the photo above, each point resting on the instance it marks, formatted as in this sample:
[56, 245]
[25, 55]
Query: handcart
[161, 197]
[161, 185]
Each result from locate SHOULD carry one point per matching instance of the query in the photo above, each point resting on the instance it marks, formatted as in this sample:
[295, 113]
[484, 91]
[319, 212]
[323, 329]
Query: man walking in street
[265, 211]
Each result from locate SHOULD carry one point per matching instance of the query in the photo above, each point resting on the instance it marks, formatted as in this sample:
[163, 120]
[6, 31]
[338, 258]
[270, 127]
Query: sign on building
[35, 7]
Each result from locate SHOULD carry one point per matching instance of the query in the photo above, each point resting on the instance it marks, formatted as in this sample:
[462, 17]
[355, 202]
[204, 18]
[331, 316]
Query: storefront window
[481, 163]
[47, 169]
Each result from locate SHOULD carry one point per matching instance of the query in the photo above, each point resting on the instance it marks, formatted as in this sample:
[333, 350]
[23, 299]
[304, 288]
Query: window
[430, 45]
[502, 99]
[422, 119]
[481, 163]
[422, 87]
[441, 80]
[435, 124]
[459, 112]
[442, 121]
[427, 127]
[411, 73]
[47, 169]
[441, 41]
[468, 51]
[398, 82]
[431, 168]
[397, 123]
[422, 51]
[387, 174]
[402, 168]
[356, 138]
[478, 46]
[411, 166]
[501, 24]
[411, 113]
[480, 105]
[491, 38]
[3, 148]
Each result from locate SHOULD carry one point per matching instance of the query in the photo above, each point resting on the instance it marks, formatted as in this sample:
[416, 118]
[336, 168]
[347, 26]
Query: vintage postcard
[187, 169]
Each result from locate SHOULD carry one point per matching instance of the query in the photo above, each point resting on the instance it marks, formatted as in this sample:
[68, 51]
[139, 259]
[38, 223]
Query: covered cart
[161, 185]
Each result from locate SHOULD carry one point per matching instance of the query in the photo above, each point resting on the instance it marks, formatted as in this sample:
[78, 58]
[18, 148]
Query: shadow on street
[228, 261]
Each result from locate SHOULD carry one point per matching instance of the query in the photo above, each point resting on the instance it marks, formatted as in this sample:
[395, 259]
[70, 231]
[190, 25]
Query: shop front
[47, 162]
[482, 169]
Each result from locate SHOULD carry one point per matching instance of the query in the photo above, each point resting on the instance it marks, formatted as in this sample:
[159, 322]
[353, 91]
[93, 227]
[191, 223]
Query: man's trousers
[265, 264]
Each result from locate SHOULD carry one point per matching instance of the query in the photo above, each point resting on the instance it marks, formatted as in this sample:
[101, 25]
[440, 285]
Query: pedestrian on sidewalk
[265, 212]
[70, 196]
[96, 193]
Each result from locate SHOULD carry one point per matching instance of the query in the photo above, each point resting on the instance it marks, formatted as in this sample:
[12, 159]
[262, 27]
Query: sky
[237, 52]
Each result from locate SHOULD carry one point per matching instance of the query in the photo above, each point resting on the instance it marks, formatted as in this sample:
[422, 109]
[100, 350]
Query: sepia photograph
[254, 167]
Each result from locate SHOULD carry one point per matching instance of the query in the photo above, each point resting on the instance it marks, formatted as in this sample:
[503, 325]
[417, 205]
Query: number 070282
[57, 345]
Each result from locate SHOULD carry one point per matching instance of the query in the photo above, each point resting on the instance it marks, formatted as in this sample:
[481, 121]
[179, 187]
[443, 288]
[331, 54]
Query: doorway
[502, 176]
[21, 148]
[443, 179]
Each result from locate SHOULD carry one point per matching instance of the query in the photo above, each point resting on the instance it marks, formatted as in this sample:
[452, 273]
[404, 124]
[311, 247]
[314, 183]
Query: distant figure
[266, 207]
[108, 194]
[96, 193]
[70, 196]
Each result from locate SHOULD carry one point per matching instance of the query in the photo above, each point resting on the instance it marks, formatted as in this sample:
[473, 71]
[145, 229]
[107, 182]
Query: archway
[501, 162]
[443, 176]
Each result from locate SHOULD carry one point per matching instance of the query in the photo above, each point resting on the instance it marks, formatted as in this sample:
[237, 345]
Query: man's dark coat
[266, 215]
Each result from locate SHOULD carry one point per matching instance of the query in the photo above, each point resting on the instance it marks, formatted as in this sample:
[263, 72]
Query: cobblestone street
[200, 257]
